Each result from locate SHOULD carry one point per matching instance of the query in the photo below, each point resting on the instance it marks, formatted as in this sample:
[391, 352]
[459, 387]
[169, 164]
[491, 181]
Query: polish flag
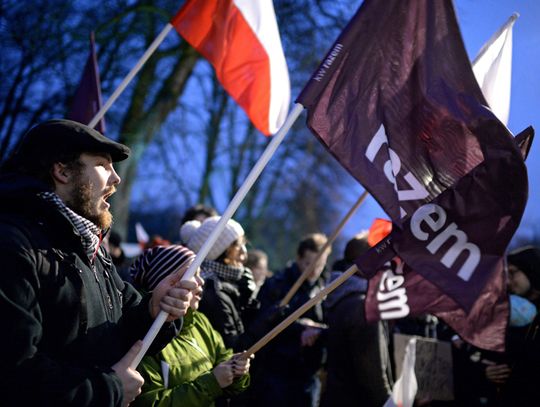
[240, 38]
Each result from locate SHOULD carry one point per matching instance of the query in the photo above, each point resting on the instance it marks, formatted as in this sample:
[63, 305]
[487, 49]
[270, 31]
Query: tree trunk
[139, 127]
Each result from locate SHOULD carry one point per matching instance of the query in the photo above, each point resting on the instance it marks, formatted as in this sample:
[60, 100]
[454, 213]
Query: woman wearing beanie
[195, 369]
[229, 296]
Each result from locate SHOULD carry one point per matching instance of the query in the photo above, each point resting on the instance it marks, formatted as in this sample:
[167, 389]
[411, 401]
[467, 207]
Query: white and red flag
[240, 38]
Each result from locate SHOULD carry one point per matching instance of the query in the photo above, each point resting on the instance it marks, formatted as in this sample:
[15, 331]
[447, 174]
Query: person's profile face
[237, 252]
[518, 282]
[91, 188]
[260, 271]
[307, 259]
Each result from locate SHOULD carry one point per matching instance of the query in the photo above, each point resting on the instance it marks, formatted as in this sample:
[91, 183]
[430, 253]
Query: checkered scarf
[90, 233]
[223, 271]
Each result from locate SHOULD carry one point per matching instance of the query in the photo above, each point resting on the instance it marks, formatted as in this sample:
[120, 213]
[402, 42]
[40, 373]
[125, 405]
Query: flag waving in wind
[396, 102]
[240, 38]
[87, 99]
[493, 70]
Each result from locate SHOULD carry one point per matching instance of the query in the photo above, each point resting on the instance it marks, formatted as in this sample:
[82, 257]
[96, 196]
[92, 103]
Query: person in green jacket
[196, 368]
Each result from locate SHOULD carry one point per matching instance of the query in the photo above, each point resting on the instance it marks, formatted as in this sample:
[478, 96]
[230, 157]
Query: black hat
[527, 259]
[67, 136]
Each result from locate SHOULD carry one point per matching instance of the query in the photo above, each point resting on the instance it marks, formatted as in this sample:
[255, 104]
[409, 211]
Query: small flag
[405, 387]
[380, 228]
[240, 38]
[87, 99]
[142, 236]
[493, 69]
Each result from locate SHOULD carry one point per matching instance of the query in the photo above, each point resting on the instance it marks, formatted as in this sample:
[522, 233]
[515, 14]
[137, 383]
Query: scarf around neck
[223, 271]
[90, 233]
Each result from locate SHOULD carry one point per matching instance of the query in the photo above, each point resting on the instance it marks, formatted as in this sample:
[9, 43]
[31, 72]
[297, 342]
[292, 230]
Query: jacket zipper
[106, 298]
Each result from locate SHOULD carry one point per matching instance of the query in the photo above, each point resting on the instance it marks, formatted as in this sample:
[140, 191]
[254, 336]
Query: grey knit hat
[195, 233]
[156, 263]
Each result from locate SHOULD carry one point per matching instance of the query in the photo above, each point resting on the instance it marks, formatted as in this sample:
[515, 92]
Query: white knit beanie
[195, 233]
[188, 229]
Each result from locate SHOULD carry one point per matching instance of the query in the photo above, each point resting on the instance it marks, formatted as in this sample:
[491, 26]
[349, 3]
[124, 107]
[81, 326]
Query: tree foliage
[191, 143]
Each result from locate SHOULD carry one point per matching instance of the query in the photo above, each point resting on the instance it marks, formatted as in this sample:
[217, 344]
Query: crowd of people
[74, 312]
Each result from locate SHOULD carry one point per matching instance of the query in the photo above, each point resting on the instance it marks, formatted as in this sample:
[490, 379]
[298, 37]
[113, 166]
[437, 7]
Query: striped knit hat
[195, 233]
[158, 262]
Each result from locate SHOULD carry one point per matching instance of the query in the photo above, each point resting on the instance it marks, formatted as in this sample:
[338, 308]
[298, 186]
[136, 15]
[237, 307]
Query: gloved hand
[247, 287]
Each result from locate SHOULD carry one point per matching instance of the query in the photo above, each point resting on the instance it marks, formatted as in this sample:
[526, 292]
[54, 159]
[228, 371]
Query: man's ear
[60, 173]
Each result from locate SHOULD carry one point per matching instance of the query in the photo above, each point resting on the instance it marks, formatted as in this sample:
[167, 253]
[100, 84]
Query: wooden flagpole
[155, 44]
[299, 312]
[227, 214]
[328, 243]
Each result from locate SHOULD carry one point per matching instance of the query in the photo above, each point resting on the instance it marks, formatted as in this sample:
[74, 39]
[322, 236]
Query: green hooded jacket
[181, 374]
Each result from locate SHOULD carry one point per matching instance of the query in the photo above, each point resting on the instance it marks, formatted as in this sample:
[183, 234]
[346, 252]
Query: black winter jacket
[229, 305]
[65, 321]
[302, 361]
[358, 366]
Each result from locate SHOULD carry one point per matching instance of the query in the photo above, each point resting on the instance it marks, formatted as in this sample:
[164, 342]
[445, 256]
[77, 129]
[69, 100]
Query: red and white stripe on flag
[240, 38]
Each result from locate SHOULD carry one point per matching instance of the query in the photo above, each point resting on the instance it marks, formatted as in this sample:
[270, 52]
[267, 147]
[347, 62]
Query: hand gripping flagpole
[227, 214]
[321, 252]
[155, 44]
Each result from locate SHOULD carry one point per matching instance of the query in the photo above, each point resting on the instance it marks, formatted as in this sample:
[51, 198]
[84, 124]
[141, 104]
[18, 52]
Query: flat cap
[67, 136]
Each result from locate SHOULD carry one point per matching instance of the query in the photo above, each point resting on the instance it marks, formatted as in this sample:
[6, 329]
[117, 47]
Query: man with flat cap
[69, 325]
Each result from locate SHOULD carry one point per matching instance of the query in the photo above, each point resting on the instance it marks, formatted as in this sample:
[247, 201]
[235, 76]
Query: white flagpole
[155, 44]
[227, 214]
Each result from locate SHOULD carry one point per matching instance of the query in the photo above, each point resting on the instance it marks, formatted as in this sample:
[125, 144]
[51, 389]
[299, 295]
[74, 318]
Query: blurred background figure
[257, 262]
[286, 371]
[358, 362]
[120, 261]
[518, 379]
[511, 378]
[156, 240]
[199, 212]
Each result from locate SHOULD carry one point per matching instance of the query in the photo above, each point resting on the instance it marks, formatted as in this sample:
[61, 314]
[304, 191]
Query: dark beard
[81, 203]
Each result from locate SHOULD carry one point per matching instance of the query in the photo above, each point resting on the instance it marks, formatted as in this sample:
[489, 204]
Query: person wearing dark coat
[286, 371]
[358, 366]
[70, 325]
[519, 377]
[509, 378]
